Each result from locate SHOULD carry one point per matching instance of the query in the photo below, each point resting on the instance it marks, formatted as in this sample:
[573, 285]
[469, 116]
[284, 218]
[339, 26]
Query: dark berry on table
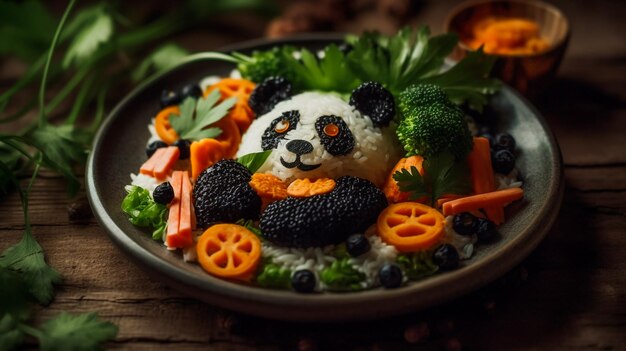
[169, 98]
[163, 193]
[503, 161]
[504, 141]
[464, 223]
[183, 147]
[303, 281]
[357, 245]
[269, 93]
[486, 230]
[446, 257]
[153, 146]
[374, 101]
[190, 90]
[390, 276]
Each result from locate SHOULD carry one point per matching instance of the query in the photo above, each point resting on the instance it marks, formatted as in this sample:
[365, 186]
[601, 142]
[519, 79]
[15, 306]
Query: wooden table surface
[569, 294]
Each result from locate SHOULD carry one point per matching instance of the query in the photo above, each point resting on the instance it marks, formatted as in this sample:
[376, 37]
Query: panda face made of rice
[320, 135]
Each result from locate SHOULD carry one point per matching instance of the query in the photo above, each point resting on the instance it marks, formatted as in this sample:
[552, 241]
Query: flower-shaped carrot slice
[229, 251]
[410, 226]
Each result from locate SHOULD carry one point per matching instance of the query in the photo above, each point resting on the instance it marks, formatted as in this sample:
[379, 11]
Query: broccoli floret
[430, 123]
[265, 64]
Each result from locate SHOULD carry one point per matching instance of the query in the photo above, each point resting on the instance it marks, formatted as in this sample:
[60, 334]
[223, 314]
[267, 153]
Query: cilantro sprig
[197, 114]
[442, 175]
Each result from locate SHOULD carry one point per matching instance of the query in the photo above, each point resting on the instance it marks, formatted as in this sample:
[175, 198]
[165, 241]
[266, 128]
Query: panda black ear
[269, 93]
[374, 101]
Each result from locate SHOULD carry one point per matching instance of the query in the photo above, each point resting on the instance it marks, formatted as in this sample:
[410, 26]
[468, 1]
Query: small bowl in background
[528, 73]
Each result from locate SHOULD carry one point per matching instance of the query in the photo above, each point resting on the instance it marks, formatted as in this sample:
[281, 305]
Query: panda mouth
[298, 163]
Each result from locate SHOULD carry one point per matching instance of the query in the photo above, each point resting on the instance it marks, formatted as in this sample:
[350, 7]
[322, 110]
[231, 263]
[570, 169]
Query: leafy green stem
[67, 89]
[55, 39]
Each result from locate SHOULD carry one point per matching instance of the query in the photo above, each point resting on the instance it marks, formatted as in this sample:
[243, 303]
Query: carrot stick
[166, 162]
[182, 237]
[173, 219]
[475, 202]
[447, 197]
[483, 181]
[148, 167]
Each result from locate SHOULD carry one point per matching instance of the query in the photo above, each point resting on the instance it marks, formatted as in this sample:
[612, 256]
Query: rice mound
[374, 154]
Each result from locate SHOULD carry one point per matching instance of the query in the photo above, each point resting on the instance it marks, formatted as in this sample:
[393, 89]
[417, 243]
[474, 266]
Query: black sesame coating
[320, 220]
[340, 144]
[222, 194]
[271, 138]
[374, 101]
[269, 93]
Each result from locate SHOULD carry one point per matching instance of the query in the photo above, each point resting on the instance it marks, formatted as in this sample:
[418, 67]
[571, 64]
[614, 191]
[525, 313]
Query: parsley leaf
[342, 276]
[417, 265]
[64, 147]
[442, 175]
[196, 115]
[26, 257]
[162, 58]
[96, 28]
[328, 73]
[255, 160]
[143, 211]
[75, 332]
[10, 335]
[468, 81]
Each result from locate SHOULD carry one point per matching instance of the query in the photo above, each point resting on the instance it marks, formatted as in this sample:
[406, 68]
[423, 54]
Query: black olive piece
[303, 281]
[504, 141]
[464, 223]
[390, 276]
[486, 230]
[446, 257]
[153, 146]
[163, 193]
[357, 245]
[169, 98]
[503, 161]
[190, 90]
[183, 147]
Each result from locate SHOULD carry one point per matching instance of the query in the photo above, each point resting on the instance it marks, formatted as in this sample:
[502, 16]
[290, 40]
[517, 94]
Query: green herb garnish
[273, 276]
[255, 160]
[197, 114]
[142, 211]
[341, 275]
[442, 175]
[417, 265]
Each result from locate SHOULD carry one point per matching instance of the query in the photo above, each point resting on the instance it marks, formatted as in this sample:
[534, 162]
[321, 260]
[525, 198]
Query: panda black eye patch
[334, 135]
[278, 129]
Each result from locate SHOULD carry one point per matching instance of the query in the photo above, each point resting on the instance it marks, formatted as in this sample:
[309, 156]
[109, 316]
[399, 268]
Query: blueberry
[485, 230]
[163, 193]
[303, 281]
[153, 146]
[446, 257]
[183, 147]
[357, 244]
[190, 90]
[464, 223]
[503, 161]
[169, 98]
[504, 141]
[390, 276]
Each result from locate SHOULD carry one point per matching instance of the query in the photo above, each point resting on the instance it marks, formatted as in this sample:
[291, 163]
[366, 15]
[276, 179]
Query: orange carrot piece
[183, 236]
[173, 218]
[391, 189]
[304, 187]
[447, 197]
[203, 154]
[483, 181]
[166, 162]
[148, 167]
[475, 202]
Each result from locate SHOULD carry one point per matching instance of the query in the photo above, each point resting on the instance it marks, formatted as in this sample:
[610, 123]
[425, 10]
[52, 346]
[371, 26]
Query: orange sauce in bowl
[507, 36]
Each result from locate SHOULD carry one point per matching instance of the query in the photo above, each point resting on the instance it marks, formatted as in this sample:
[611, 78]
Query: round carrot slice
[241, 112]
[230, 138]
[162, 124]
[410, 226]
[229, 251]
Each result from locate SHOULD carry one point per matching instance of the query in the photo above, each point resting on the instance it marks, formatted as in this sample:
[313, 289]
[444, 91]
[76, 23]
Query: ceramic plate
[118, 150]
